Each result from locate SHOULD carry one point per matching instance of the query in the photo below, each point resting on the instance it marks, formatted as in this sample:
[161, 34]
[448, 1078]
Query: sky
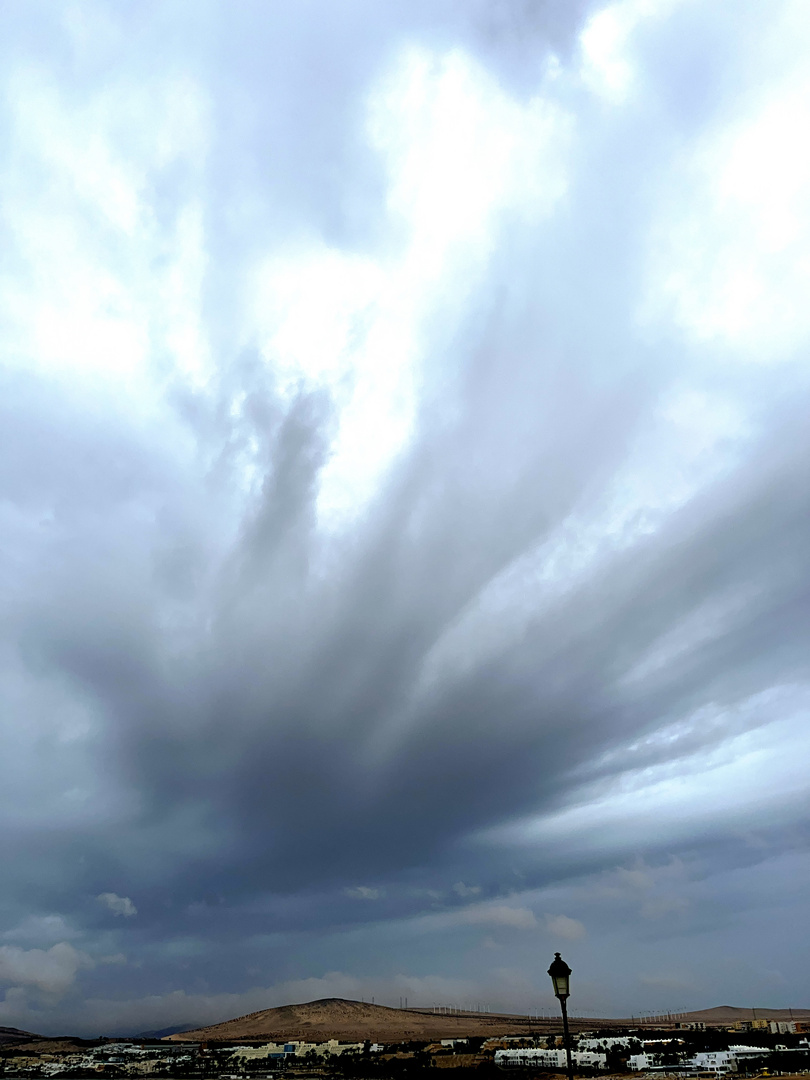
[403, 506]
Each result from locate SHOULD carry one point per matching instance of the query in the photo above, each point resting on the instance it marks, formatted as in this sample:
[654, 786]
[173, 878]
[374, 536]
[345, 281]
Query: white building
[783, 1027]
[589, 1058]
[725, 1061]
[639, 1062]
[716, 1061]
[607, 1043]
[552, 1059]
[295, 1048]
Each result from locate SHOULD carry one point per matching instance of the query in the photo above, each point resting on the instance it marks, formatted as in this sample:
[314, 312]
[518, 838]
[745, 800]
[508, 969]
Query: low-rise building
[609, 1042]
[782, 1027]
[541, 1057]
[296, 1048]
[725, 1061]
[639, 1062]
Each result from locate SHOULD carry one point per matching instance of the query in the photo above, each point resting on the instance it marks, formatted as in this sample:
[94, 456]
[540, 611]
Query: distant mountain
[14, 1035]
[161, 1033]
[730, 1014]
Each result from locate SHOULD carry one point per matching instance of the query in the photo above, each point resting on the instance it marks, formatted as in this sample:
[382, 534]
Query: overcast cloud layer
[404, 505]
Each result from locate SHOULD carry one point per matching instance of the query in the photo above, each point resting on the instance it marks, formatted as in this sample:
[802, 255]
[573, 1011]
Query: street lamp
[560, 975]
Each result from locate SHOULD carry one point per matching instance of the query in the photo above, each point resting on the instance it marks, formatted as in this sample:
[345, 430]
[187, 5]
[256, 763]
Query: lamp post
[560, 973]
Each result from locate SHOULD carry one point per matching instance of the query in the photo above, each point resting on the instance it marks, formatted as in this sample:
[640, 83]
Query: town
[746, 1048]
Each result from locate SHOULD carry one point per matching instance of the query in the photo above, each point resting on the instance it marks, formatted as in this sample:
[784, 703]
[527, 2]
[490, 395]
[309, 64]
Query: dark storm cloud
[282, 730]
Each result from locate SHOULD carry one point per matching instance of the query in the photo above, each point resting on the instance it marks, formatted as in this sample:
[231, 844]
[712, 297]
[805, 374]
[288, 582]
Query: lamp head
[560, 974]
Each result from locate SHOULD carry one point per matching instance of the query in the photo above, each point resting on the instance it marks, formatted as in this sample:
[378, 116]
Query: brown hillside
[729, 1014]
[42, 1045]
[353, 1021]
[14, 1035]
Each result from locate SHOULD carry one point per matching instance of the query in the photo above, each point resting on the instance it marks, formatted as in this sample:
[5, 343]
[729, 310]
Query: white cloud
[481, 914]
[460, 889]
[459, 154]
[41, 930]
[118, 905]
[606, 45]
[460, 151]
[562, 926]
[364, 892]
[518, 918]
[99, 285]
[729, 248]
[52, 971]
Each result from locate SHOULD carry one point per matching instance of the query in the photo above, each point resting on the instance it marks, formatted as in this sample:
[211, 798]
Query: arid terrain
[14, 1035]
[336, 1018]
[350, 1021]
[723, 1015]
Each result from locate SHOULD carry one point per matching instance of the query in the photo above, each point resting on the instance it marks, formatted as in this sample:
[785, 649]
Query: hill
[10, 1035]
[353, 1021]
[730, 1014]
